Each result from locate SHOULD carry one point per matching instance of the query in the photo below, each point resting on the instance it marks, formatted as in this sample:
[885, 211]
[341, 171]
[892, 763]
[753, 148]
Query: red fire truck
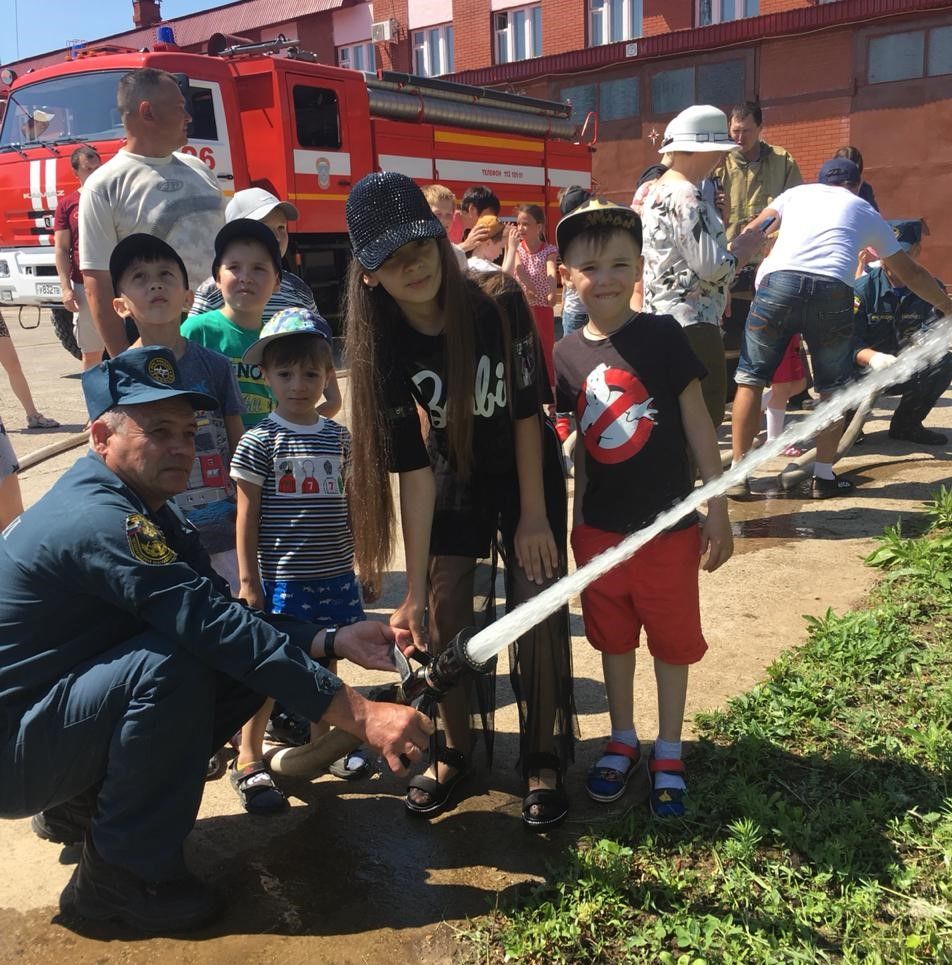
[270, 114]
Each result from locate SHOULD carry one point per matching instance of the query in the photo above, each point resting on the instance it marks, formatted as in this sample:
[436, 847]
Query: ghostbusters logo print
[614, 414]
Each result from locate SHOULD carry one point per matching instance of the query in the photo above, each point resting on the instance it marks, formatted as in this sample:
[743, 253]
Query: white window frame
[433, 50]
[350, 55]
[735, 10]
[602, 15]
[506, 35]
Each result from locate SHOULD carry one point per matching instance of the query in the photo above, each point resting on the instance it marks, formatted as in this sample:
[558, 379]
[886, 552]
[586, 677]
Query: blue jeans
[788, 302]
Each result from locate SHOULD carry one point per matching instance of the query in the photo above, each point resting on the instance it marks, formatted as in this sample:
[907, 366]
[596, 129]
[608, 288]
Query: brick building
[874, 73]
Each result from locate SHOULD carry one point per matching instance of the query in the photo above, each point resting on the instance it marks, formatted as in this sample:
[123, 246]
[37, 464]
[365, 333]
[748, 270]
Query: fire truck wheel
[63, 326]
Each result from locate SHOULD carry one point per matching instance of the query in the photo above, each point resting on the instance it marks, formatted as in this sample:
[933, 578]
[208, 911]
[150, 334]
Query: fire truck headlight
[6, 294]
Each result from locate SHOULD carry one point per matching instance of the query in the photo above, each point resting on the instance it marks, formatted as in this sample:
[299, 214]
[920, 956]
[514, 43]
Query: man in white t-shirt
[147, 187]
[805, 285]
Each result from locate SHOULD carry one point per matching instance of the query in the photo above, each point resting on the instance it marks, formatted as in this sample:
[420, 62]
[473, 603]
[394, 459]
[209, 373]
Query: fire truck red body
[269, 114]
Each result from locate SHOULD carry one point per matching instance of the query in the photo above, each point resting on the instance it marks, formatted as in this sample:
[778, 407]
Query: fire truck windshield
[75, 107]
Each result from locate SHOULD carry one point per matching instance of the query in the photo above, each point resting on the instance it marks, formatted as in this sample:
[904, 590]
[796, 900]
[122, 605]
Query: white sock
[765, 399]
[823, 470]
[616, 761]
[775, 420]
[668, 751]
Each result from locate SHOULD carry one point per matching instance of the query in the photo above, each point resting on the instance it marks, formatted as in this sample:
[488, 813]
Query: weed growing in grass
[820, 818]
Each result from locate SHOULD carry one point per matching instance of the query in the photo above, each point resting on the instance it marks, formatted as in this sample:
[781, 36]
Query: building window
[614, 100]
[316, 117]
[613, 20]
[723, 11]
[518, 34]
[618, 99]
[583, 99]
[718, 83]
[433, 51]
[358, 57]
[940, 51]
[910, 55]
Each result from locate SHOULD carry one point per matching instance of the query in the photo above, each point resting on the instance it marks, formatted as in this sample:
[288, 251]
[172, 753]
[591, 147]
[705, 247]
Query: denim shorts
[788, 302]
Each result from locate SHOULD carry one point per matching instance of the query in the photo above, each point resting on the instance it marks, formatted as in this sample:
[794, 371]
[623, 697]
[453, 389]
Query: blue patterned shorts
[334, 602]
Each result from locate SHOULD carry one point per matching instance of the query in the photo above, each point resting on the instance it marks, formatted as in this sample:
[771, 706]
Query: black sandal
[439, 792]
[256, 788]
[552, 803]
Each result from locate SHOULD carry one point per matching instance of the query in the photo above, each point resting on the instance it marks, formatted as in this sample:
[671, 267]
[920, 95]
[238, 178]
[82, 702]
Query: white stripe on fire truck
[37, 200]
[481, 172]
[412, 167]
[51, 183]
[306, 162]
[566, 177]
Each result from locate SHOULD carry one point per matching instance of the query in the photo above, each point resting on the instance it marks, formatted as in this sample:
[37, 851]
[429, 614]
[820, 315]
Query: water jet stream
[932, 344]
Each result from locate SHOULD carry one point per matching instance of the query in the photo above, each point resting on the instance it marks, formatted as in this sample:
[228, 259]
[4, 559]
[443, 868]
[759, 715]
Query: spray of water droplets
[928, 349]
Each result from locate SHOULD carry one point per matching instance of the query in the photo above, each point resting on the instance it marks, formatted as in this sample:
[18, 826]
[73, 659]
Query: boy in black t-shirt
[633, 383]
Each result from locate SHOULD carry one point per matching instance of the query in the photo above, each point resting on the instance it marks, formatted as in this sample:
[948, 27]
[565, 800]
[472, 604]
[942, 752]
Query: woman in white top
[689, 266]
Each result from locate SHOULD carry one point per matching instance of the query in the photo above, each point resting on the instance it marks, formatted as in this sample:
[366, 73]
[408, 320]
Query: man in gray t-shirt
[146, 187]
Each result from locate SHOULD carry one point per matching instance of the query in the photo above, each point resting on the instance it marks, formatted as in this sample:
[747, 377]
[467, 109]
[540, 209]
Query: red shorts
[656, 589]
[790, 368]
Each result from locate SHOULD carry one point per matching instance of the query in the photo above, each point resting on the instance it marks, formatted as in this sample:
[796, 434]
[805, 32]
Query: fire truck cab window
[316, 117]
[202, 109]
[78, 107]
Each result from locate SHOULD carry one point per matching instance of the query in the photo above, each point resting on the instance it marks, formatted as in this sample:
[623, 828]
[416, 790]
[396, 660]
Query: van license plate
[49, 291]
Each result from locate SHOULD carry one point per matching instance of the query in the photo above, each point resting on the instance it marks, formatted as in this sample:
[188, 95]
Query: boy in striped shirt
[295, 547]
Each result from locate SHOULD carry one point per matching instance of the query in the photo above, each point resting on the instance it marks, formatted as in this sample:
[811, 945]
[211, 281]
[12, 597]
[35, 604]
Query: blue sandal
[665, 802]
[605, 784]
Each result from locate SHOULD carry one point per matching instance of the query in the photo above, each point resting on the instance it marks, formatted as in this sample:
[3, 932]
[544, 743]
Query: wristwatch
[329, 634]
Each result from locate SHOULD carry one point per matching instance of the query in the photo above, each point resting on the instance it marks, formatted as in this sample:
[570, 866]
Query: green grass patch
[820, 819]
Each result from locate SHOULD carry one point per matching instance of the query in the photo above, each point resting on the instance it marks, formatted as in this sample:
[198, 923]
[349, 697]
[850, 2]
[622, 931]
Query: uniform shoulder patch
[147, 542]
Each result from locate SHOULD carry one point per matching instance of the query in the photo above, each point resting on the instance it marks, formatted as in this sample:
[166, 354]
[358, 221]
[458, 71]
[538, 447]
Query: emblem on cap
[146, 541]
[160, 369]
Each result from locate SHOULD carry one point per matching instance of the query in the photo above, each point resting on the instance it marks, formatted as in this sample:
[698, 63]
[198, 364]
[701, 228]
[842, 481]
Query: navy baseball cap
[137, 376]
[839, 171]
[908, 231]
[386, 211]
[141, 247]
[246, 229]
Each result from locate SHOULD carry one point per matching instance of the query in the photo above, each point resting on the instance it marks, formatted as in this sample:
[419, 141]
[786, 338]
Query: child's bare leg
[252, 735]
[776, 409]
[451, 609]
[672, 681]
[618, 670]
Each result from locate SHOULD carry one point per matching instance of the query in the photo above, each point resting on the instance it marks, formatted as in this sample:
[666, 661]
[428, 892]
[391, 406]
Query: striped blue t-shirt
[304, 530]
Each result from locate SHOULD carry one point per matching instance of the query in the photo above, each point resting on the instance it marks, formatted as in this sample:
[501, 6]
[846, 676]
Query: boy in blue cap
[887, 316]
[295, 547]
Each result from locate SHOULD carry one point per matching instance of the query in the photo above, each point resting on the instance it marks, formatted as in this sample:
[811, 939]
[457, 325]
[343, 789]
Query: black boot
[101, 891]
[66, 823]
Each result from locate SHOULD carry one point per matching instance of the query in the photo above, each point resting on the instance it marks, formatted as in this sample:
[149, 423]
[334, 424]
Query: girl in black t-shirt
[483, 474]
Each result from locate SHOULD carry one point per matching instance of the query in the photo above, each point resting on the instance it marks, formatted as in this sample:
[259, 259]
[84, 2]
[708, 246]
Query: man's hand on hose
[368, 644]
[399, 734]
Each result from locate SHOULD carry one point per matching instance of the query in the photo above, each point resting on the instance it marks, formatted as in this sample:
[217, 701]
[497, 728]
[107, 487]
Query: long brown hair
[370, 322]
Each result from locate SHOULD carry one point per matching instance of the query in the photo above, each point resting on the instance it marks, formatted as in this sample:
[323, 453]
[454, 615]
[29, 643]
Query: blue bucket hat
[384, 212]
[137, 376]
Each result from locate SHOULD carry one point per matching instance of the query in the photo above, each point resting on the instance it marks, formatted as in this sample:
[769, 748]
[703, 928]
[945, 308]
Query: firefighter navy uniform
[124, 664]
[886, 318]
